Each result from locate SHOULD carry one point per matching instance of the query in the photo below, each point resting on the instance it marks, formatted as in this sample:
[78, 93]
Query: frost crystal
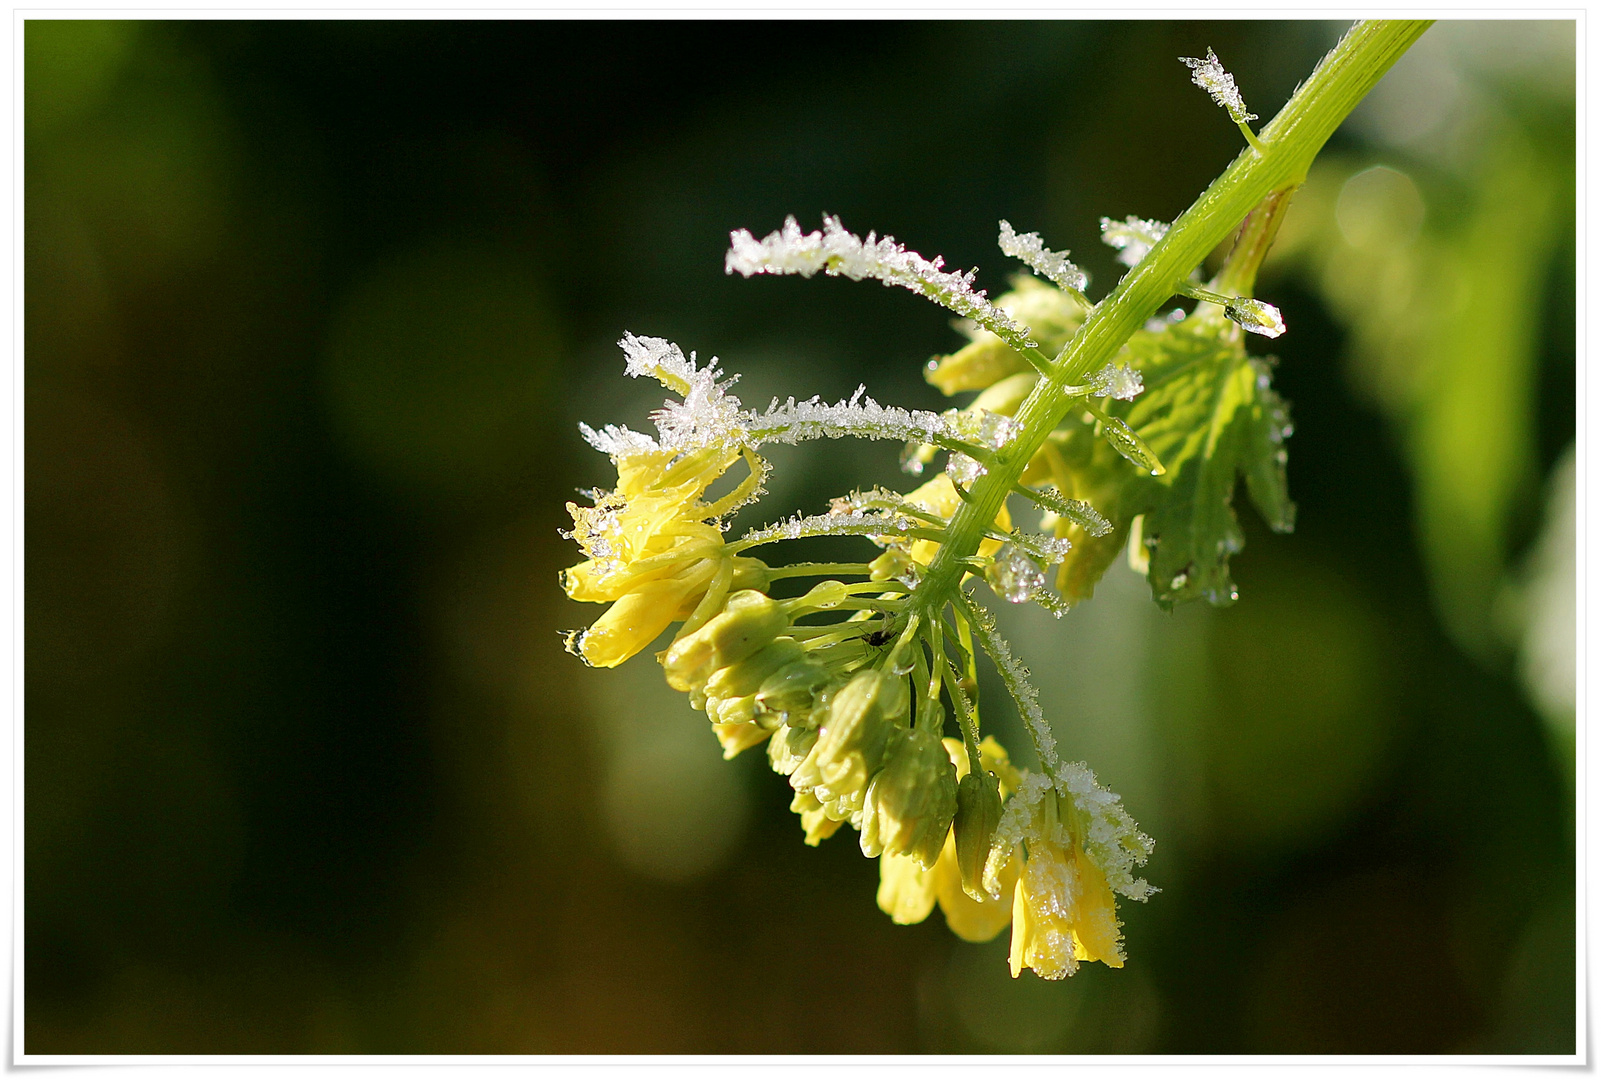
[1112, 838]
[708, 415]
[1015, 676]
[617, 441]
[1013, 575]
[1041, 259]
[1132, 237]
[833, 524]
[1118, 381]
[1255, 316]
[839, 252]
[963, 469]
[1210, 76]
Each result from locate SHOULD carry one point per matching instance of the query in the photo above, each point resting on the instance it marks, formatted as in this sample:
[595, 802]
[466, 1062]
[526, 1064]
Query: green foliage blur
[312, 310]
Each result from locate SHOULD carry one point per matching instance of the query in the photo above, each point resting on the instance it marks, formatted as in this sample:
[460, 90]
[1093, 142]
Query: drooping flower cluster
[864, 686]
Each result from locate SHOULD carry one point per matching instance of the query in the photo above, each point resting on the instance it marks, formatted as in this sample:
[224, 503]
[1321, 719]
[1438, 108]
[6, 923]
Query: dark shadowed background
[312, 310]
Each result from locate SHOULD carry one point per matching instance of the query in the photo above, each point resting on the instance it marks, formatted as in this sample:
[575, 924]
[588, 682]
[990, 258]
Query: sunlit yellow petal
[905, 889]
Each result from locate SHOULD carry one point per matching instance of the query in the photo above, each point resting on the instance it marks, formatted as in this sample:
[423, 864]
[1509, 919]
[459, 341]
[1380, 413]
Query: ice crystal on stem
[839, 252]
[1255, 316]
[1053, 265]
[1209, 75]
[1132, 237]
[1116, 381]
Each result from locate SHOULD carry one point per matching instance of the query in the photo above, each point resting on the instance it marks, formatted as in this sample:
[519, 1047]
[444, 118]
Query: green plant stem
[1288, 144]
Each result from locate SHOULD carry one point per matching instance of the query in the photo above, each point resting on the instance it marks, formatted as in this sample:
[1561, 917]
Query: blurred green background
[312, 310]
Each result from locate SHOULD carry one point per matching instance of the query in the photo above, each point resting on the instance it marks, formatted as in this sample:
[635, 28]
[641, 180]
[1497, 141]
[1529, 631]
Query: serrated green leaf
[1209, 412]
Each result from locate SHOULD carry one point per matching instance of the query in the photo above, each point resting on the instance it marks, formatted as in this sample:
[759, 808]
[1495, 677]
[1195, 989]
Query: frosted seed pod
[1042, 260]
[853, 735]
[1255, 316]
[1209, 75]
[963, 469]
[748, 621]
[913, 798]
[978, 812]
[1116, 381]
[1132, 237]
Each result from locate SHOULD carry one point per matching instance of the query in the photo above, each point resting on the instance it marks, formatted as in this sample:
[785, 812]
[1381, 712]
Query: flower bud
[978, 812]
[734, 710]
[793, 691]
[748, 675]
[912, 800]
[853, 735]
[739, 736]
[790, 746]
[895, 563]
[748, 621]
[750, 574]
[818, 825]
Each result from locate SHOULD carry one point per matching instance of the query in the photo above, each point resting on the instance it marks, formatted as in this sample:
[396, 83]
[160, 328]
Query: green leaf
[1209, 412]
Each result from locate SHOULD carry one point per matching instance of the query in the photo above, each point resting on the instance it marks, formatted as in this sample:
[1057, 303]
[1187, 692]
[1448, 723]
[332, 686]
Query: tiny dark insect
[878, 638]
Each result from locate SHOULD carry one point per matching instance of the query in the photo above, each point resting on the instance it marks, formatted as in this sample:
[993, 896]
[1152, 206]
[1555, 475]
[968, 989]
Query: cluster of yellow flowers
[845, 682]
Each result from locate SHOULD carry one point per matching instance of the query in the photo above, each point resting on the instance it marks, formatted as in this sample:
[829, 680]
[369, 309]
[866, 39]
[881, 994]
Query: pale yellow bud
[794, 692]
[748, 621]
[912, 799]
[853, 734]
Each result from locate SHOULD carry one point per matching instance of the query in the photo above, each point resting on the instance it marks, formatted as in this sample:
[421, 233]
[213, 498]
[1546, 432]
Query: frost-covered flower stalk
[863, 684]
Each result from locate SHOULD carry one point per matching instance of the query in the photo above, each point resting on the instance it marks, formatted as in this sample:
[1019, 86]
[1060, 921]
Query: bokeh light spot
[439, 369]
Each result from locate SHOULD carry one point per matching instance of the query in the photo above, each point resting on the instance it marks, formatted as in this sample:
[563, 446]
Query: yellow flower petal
[969, 919]
[905, 889]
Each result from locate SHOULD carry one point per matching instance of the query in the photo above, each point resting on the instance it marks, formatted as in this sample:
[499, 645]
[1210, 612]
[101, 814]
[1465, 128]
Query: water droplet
[903, 667]
[912, 459]
[1131, 446]
[1013, 575]
[1255, 316]
[1180, 580]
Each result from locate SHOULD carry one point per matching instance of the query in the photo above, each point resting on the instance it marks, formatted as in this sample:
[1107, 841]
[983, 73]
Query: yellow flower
[652, 549]
[635, 620]
[1063, 910]
[938, 496]
[907, 893]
